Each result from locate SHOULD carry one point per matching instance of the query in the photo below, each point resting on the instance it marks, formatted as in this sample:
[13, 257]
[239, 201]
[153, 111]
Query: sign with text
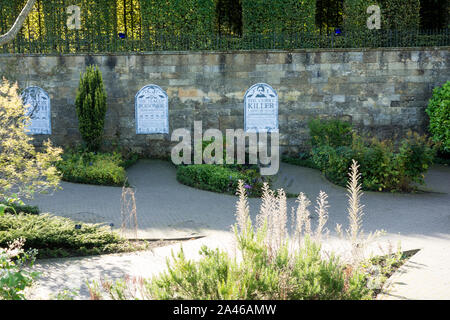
[152, 110]
[37, 104]
[261, 109]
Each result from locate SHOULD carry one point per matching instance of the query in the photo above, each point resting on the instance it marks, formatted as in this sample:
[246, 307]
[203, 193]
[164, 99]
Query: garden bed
[95, 168]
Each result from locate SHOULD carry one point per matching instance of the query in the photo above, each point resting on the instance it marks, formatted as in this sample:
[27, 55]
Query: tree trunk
[11, 34]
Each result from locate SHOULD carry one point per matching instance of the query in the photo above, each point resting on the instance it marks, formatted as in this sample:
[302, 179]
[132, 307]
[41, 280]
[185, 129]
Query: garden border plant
[385, 165]
[82, 166]
[222, 178]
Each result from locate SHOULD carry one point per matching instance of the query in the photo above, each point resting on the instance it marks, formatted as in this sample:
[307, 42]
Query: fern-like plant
[91, 107]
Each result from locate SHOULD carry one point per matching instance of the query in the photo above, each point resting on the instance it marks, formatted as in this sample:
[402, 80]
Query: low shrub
[384, 167]
[221, 178]
[95, 168]
[56, 236]
[439, 112]
[334, 133]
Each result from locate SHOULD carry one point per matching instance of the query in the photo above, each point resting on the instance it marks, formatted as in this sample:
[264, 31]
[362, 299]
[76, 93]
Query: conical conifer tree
[91, 107]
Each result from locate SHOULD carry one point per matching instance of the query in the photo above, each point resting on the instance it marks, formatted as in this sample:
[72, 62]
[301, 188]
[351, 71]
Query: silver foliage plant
[272, 220]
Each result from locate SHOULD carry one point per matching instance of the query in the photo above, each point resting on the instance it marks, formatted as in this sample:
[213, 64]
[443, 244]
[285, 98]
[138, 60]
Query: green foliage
[181, 17]
[94, 168]
[283, 16]
[395, 14]
[218, 178]
[24, 170]
[382, 166]
[439, 112]
[90, 105]
[14, 278]
[330, 132]
[56, 236]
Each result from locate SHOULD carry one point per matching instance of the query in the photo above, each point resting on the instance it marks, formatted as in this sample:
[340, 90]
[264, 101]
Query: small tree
[23, 170]
[91, 107]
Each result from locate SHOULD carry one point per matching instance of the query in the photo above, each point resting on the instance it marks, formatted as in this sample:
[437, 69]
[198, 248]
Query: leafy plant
[94, 168]
[439, 112]
[219, 178]
[90, 105]
[334, 133]
[13, 277]
[383, 166]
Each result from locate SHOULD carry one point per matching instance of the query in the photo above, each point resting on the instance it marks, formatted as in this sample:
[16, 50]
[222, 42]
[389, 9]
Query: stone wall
[384, 91]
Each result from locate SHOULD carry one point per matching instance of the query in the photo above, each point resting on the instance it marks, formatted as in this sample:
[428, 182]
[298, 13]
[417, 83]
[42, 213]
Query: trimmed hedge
[182, 17]
[281, 16]
[95, 168]
[222, 179]
[56, 236]
[395, 14]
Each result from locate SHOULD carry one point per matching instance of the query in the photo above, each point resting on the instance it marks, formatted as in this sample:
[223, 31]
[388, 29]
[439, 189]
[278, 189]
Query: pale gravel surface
[167, 209]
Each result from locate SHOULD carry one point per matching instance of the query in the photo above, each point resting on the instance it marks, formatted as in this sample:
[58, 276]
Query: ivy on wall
[282, 16]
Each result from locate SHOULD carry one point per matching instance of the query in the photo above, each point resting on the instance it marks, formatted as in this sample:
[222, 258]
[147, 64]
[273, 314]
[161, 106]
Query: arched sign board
[37, 103]
[261, 109]
[152, 110]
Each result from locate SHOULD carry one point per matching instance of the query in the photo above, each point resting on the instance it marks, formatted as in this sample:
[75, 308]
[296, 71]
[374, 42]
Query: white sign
[261, 109]
[152, 110]
[37, 103]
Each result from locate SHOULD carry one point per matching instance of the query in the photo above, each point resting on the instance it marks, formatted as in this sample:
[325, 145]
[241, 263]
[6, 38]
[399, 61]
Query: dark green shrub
[382, 166]
[177, 18]
[90, 105]
[282, 16]
[219, 178]
[333, 133]
[415, 156]
[334, 162]
[94, 168]
[439, 112]
[56, 236]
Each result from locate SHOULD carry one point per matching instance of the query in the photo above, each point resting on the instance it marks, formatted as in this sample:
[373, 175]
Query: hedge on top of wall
[395, 14]
[178, 17]
[282, 16]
